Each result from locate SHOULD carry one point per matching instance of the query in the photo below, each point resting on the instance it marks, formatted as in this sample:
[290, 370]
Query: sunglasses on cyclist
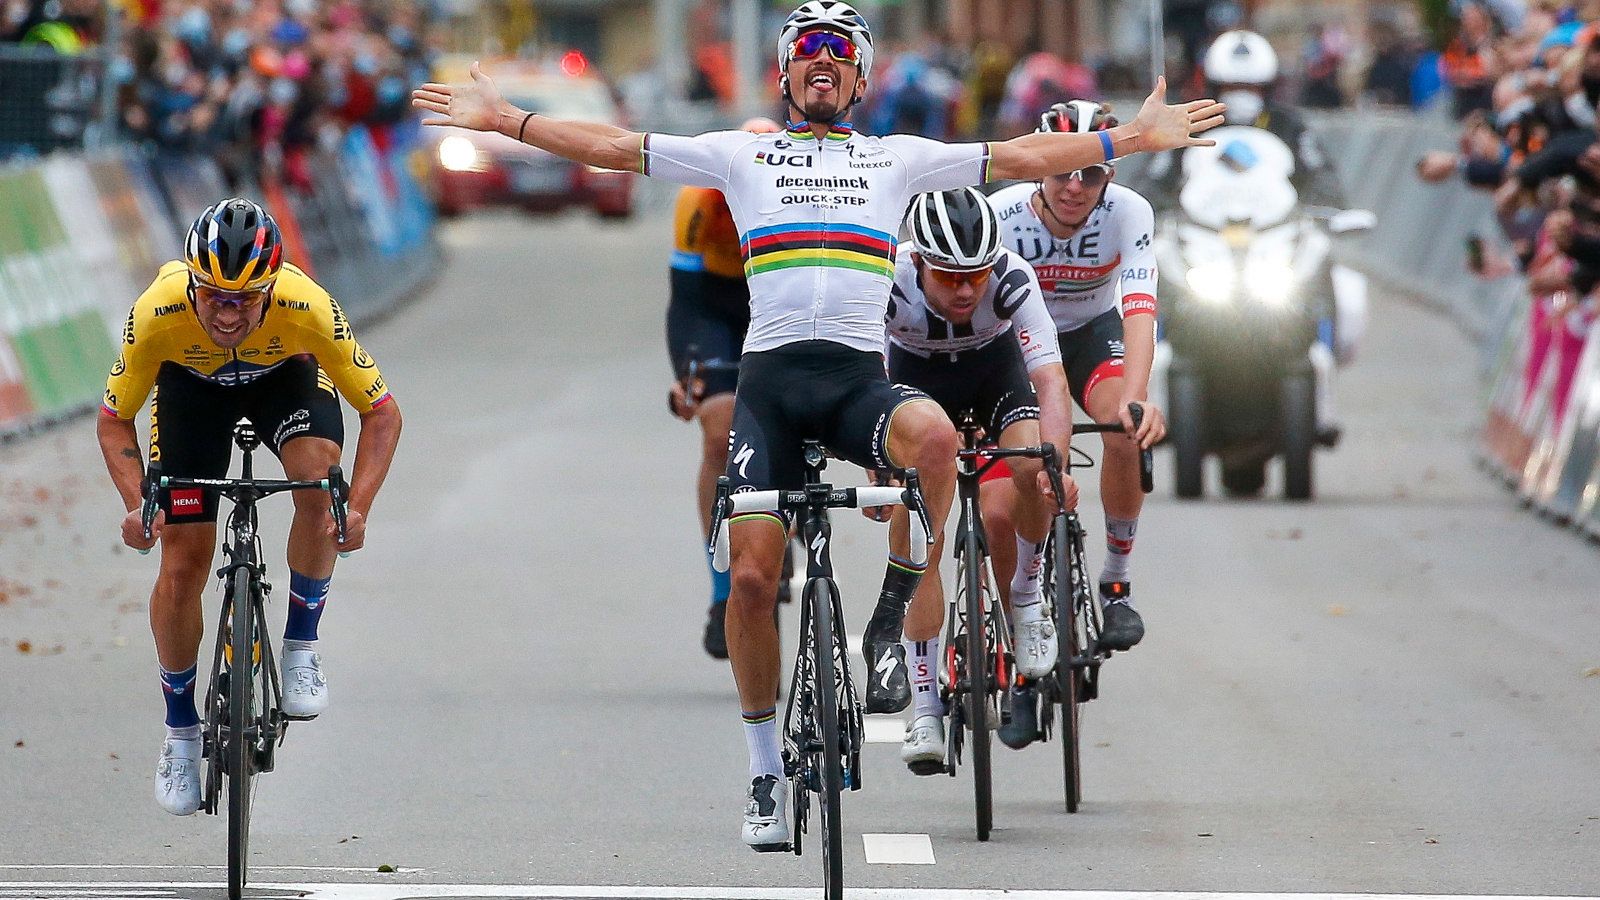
[812, 43]
[244, 301]
[1093, 177]
[956, 278]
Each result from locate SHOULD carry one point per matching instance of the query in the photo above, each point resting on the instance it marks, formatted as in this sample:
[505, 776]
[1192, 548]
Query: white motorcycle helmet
[1243, 66]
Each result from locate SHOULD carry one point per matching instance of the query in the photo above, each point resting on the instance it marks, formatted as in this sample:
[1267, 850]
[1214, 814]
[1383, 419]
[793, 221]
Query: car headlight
[1211, 282]
[1271, 284]
[458, 154]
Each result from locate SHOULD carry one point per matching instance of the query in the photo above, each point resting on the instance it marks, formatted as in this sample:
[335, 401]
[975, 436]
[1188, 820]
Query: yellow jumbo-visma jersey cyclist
[301, 320]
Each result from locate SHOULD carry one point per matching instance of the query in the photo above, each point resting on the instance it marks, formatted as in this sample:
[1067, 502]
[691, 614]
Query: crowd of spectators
[255, 84]
[1529, 107]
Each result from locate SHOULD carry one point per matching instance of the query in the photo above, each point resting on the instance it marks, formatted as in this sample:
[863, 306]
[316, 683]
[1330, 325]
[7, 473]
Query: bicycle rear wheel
[826, 705]
[239, 752]
[978, 677]
[1068, 675]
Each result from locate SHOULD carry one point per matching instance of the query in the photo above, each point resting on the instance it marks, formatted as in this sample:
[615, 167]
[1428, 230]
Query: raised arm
[1158, 126]
[479, 107]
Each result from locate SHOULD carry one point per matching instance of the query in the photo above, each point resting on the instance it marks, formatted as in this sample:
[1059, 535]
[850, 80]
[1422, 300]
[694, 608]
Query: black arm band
[523, 127]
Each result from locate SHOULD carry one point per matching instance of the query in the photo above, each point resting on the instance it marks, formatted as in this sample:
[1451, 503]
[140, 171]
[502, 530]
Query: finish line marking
[44, 890]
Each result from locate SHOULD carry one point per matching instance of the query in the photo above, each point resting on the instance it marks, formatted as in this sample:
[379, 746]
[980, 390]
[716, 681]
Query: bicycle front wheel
[826, 705]
[1068, 676]
[978, 678]
[239, 750]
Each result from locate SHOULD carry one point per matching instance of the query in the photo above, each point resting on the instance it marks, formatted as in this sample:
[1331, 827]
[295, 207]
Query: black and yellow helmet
[234, 246]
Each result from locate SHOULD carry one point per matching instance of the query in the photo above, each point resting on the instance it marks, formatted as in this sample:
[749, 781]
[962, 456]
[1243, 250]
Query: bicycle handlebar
[338, 493]
[729, 505]
[1147, 463]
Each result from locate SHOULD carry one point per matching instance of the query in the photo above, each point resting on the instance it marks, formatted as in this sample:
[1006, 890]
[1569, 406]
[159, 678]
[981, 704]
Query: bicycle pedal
[784, 847]
[298, 718]
[927, 767]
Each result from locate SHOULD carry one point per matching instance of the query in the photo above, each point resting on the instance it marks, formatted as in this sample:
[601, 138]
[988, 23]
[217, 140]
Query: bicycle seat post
[244, 435]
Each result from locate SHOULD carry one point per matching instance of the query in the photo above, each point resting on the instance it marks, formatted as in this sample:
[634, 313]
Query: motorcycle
[1251, 308]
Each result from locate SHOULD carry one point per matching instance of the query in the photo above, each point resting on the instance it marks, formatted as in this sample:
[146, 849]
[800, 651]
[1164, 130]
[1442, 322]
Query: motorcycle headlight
[1271, 284]
[458, 154]
[1211, 282]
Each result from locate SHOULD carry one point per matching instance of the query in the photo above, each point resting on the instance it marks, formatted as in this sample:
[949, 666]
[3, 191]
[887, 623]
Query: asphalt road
[1391, 690]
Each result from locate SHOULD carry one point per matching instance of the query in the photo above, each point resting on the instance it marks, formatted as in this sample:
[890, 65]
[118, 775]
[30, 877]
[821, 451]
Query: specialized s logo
[742, 459]
[796, 160]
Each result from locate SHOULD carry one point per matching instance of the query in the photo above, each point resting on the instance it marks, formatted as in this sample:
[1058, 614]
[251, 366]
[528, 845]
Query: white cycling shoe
[1036, 648]
[923, 751]
[766, 815]
[305, 689]
[178, 776]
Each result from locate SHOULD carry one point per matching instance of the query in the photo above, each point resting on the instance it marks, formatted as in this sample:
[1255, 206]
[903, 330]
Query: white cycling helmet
[1241, 57]
[955, 229]
[835, 15]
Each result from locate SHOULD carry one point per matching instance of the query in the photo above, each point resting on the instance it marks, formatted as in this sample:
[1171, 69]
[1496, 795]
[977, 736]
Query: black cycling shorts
[810, 390]
[192, 419]
[990, 382]
[1092, 353]
[708, 317]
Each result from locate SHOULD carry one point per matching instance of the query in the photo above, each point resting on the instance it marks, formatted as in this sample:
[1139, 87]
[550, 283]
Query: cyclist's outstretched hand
[1068, 484]
[475, 105]
[355, 532]
[1152, 428]
[1172, 127]
[133, 529]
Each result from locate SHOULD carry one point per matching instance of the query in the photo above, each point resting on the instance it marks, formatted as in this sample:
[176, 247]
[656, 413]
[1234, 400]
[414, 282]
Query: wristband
[523, 127]
[1106, 145]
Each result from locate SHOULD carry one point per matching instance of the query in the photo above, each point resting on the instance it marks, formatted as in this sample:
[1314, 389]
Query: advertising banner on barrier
[140, 224]
[58, 335]
[1573, 456]
[100, 273]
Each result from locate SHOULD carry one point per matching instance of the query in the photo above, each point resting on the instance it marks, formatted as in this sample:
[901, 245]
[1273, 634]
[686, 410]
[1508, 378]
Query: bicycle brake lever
[1147, 461]
[719, 514]
[920, 526]
[338, 495]
[149, 489]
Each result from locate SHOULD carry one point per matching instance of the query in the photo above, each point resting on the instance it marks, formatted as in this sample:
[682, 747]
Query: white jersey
[1011, 304]
[1109, 264]
[817, 220]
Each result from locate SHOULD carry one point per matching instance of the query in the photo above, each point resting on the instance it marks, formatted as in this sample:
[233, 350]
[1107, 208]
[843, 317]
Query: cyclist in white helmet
[816, 207]
[1089, 241]
[968, 325]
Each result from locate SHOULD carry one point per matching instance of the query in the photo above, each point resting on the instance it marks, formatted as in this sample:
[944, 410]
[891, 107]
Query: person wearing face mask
[1241, 69]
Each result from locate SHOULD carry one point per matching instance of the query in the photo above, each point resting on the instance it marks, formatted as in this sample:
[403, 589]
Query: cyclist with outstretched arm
[816, 207]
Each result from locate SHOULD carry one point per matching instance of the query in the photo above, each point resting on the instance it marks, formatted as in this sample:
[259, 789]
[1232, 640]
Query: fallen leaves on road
[1591, 672]
[1336, 610]
[17, 744]
[1205, 834]
[24, 646]
[387, 869]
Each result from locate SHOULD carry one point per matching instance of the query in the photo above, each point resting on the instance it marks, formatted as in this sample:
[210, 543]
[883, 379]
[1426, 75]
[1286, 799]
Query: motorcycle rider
[1242, 69]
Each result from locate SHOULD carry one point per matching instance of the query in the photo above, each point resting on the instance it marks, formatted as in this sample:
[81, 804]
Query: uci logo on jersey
[799, 161]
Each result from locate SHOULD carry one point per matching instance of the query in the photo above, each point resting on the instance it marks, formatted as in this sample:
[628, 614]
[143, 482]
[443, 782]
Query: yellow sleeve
[329, 338]
[140, 356]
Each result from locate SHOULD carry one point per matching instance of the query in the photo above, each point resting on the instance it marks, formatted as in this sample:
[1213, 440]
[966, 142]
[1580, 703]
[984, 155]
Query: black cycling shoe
[1023, 728]
[1122, 626]
[888, 689]
[716, 638]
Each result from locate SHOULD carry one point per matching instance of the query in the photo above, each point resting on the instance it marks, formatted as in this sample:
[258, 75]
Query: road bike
[244, 719]
[822, 723]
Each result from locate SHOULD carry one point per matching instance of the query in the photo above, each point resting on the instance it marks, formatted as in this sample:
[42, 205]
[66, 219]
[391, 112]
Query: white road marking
[898, 849]
[172, 868]
[886, 729]
[607, 892]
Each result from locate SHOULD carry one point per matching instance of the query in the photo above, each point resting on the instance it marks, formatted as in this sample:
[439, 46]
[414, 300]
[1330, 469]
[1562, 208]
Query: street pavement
[1394, 689]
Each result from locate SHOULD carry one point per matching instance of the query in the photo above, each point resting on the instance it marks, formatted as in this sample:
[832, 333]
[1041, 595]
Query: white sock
[1025, 587]
[761, 737]
[924, 660]
[1119, 546]
[187, 733]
